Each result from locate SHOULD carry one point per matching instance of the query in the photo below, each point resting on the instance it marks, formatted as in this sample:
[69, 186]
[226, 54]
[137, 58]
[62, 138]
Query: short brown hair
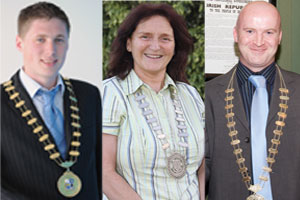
[40, 10]
[121, 61]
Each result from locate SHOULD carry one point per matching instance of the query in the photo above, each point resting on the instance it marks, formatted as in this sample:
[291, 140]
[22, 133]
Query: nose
[259, 40]
[154, 45]
[50, 49]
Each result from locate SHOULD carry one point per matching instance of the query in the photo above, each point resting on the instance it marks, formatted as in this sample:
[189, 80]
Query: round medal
[69, 184]
[176, 165]
[255, 197]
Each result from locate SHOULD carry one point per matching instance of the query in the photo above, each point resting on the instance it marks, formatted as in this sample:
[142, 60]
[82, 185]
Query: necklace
[69, 184]
[273, 150]
[176, 162]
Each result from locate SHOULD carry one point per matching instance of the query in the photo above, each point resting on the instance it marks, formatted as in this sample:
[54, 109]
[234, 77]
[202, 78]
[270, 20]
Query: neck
[46, 82]
[154, 80]
[254, 68]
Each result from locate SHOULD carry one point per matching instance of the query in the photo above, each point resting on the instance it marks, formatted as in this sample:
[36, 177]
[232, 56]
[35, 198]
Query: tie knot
[48, 95]
[258, 81]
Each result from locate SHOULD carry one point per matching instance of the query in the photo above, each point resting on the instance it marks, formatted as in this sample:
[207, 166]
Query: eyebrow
[149, 33]
[272, 29]
[45, 35]
[61, 35]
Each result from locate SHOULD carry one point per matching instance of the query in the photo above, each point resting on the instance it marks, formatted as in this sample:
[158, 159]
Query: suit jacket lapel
[67, 119]
[238, 108]
[274, 104]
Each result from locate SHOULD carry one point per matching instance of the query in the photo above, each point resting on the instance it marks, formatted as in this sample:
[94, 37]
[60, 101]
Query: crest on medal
[69, 184]
[176, 165]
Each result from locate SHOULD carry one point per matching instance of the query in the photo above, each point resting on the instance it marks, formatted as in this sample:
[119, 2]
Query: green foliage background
[114, 13]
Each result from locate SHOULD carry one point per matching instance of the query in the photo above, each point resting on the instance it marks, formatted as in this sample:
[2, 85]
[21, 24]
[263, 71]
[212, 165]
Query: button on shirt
[32, 87]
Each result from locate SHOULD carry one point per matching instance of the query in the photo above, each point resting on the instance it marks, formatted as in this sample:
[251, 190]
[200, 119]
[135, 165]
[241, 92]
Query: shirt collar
[243, 73]
[32, 87]
[132, 83]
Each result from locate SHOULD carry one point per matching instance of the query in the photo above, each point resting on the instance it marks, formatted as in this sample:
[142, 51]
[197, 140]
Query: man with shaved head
[252, 117]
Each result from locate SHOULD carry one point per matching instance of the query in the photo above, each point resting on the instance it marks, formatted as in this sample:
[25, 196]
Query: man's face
[44, 48]
[258, 35]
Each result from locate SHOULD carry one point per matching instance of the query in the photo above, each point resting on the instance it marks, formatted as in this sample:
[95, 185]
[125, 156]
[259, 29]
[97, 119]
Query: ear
[280, 36]
[235, 34]
[67, 45]
[128, 45]
[19, 43]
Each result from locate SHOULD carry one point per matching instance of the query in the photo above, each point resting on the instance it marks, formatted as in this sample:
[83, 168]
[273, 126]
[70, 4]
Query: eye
[59, 40]
[41, 40]
[166, 39]
[249, 31]
[144, 37]
[270, 32]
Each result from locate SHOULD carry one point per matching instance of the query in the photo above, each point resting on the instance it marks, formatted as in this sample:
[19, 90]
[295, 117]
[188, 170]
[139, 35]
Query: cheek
[35, 49]
[137, 44]
[31, 53]
[62, 50]
[170, 49]
[245, 40]
[272, 42]
[142, 46]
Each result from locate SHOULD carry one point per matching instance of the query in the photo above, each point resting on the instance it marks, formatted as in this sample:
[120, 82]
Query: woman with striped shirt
[153, 134]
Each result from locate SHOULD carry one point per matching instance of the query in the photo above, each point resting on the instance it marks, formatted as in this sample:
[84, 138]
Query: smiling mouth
[49, 63]
[258, 50]
[153, 56]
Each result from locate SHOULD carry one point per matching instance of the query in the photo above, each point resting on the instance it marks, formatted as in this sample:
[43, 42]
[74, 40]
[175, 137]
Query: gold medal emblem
[69, 184]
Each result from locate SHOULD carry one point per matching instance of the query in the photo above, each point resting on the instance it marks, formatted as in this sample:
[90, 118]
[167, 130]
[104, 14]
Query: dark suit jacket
[26, 170]
[223, 180]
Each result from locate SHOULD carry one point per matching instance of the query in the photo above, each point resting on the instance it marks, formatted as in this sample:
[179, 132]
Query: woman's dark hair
[121, 61]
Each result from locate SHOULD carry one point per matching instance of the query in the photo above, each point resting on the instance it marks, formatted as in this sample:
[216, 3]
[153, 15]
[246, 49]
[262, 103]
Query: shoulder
[191, 99]
[190, 91]
[115, 102]
[112, 87]
[217, 85]
[2, 87]
[8, 86]
[219, 80]
[291, 75]
[186, 88]
[12, 80]
[3, 94]
[83, 87]
[113, 91]
[85, 92]
[80, 83]
[111, 82]
[292, 80]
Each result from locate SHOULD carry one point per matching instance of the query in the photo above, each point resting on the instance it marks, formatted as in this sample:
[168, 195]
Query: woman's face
[152, 45]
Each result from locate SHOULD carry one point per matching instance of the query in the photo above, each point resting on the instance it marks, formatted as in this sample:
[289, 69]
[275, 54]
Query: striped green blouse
[141, 161]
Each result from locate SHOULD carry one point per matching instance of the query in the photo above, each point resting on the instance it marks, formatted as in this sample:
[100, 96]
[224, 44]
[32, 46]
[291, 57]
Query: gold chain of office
[235, 142]
[68, 190]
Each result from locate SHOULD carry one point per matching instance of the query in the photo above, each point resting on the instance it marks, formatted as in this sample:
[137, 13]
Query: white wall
[84, 58]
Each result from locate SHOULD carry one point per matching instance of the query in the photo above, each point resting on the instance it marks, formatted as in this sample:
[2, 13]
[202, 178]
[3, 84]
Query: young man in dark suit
[252, 117]
[50, 125]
